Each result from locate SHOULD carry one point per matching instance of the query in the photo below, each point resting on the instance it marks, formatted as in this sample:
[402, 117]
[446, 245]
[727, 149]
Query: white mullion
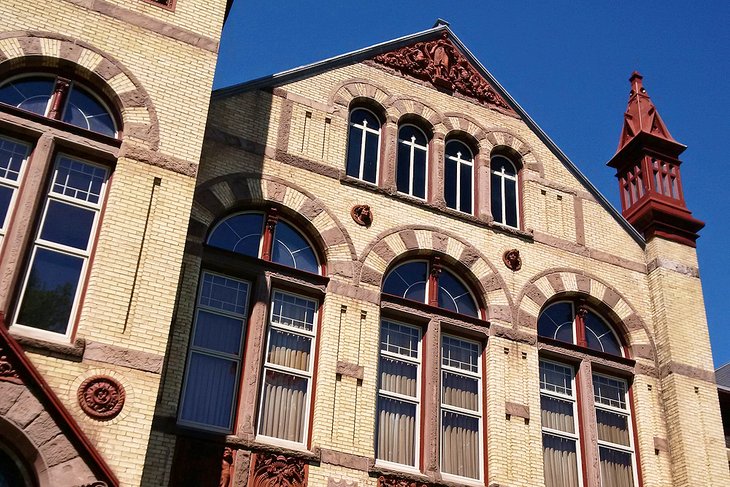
[411, 164]
[363, 139]
[458, 181]
[503, 182]
[293, 329]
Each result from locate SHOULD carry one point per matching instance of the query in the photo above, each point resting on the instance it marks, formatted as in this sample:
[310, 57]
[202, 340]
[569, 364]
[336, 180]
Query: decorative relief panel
[7, 369]
[101, 397]
[272, 470]
[395, 482]
[443, 65]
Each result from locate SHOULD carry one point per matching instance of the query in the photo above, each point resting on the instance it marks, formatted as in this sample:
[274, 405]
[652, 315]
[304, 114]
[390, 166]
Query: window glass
[13, 155]
[614, 434]
[284, 405]
[31, 93]
[291, 249]
[412, 161]
[215, 356]
[556, 322]
[11, 473]
[408, 281]
[85, 111]
[398, 394]
[454, 295]
[600, 336]
[363, 150]
[504, 196]
[458, 176]
[239, 233]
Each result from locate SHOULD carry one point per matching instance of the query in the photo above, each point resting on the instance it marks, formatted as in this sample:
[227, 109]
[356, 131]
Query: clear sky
[567, 63]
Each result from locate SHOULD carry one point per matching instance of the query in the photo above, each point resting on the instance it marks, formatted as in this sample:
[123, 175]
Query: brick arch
[502, 138]
[347, 91]
[388, 246]
[27, 450]
[38, 50]
[225, 194]
[460, 122]
[400, 106]
[554, 282]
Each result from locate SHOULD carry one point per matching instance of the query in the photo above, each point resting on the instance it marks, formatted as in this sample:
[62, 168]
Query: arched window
[50, 224]
[289, 331]
[603, 398]
[505, 195]
[459, 176]
[363, 145]
[412, 165]
[400, 412]
[60, 99]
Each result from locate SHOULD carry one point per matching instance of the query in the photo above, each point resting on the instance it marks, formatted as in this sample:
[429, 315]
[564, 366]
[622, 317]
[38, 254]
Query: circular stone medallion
[101, 397]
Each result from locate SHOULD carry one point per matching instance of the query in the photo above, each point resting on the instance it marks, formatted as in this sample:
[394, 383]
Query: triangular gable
[442, 64]
[23, 388]
[439, 31]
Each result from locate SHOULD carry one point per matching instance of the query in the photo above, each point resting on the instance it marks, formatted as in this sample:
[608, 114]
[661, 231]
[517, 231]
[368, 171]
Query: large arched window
[60, 99]
[49, 224]
[459, 176]
[603, 397]
[412, 164]
[403, 358]
[217, 345]
[363, 145]
[505, 194]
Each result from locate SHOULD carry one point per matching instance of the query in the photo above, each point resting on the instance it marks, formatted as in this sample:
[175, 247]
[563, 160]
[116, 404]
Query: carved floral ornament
[395, 482]
[442, 64]
[101, 397]
[274, 470]
[7, 369]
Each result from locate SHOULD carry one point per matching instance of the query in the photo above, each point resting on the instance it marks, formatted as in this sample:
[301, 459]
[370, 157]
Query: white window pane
[557, 414]
[399, 377]
[613, 427]
[224, 293]
[399, 339]
[556, 378]
[396, 431]
[289, 349]
[611, 392]
[460, 445]
[616, 468]
[218, 332]
[293, 311]
[460, 354]
[560, 461]
[283, 406]
[12, 158]
[460, 391]
[78, 180]
[68, 224]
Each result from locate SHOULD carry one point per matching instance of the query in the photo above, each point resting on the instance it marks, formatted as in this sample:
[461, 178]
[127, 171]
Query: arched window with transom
[363, 145]
[412, 161]
[459, 176]
[60, 99]
[505, 191]
[433, 308]
[242, 250]
[587, 374]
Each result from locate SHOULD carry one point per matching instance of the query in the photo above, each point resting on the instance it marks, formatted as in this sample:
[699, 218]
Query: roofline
[367, 52]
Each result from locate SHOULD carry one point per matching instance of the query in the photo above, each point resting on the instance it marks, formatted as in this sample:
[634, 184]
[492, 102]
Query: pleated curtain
[460, 432]
[616, 468]
[397, 418]
[560, 461]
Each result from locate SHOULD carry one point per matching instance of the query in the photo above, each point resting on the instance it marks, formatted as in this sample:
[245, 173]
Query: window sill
[68, 351]
[406, 473]
[259, 446]
[485, 222]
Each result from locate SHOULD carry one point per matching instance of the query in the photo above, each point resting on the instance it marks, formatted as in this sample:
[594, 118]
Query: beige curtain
[289, 350]
[460, 391]
[283, 407]
[396, 431]
[557, 414]
[616, 469]
[460, 445]
[560, 461]
[613, 427]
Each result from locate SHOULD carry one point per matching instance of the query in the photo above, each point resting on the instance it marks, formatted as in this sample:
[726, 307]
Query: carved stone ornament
[7, 370]
[442, 64]
[98, 483]
[362, 214]
[226, 468]
[340, 483]
[512, 259]
[101, 397]
[274, 470]
[394, 482]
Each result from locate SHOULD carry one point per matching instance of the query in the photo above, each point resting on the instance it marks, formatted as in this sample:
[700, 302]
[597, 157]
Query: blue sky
[567, 63]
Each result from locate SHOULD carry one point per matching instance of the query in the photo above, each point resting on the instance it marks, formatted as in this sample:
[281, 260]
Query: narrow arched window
[505, 197]
[412, 165]
[459, 176]
[603, 391]
[363, 145]
[60, 99]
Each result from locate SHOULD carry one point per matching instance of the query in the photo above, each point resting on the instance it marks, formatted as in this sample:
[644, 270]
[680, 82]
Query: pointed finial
[641, 115]
[439, 22]
[637, 83]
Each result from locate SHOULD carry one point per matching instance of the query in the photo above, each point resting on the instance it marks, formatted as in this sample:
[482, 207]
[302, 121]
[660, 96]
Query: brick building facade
[374, 271]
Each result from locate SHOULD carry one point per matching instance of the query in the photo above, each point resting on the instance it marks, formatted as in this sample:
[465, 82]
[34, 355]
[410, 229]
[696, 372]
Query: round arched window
[60, 99]
[578, 324]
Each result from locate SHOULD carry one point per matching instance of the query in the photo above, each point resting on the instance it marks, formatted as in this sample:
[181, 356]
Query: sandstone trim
[112, 354]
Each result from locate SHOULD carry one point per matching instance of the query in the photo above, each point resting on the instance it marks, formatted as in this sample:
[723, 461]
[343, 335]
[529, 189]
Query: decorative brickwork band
[440, 63]
[272, 470]
[7, 369]
[395, 482]
[101, 397]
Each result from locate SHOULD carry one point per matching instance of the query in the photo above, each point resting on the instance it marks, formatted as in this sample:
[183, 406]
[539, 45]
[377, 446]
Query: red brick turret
[647, 167]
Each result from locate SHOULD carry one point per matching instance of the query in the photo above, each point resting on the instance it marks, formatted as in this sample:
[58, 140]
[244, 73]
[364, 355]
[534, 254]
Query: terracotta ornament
[442, 64]
[101, 397]
[7, 369]
[362, 215]
[512, 259]
[394, 482]
[226, 468]
[274, 470]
